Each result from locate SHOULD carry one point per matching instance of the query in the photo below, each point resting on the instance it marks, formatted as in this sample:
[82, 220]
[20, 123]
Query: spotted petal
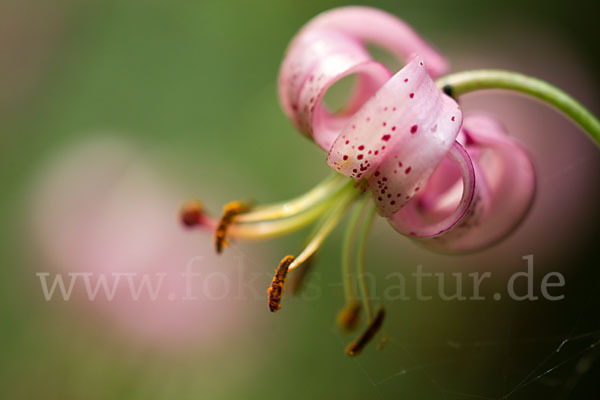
[331, 47]
[398, 137]
[495, 196]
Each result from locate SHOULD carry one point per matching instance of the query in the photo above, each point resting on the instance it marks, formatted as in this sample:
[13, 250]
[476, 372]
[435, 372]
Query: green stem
[360, 259]
[349, 289]
[469, 81]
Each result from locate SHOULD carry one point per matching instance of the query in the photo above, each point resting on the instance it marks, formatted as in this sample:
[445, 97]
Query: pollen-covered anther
[230, 210]
[191, 213]
[359, 344]
[274, 292]
[348, 317]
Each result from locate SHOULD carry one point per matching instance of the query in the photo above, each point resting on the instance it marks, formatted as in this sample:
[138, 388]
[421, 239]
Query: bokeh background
[112, 113]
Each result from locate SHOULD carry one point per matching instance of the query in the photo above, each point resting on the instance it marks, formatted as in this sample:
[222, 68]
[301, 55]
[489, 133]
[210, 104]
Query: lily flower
[400, 148]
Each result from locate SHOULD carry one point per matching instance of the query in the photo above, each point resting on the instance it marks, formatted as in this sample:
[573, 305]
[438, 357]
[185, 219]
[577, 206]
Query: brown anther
[191, 213]
[296, 283]
[230, 210]
[274, 292]
[348, 317]
[359, 344]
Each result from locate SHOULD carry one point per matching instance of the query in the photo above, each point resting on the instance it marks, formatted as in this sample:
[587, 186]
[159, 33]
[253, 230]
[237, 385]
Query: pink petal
[331, 47]
[398, 137]
[315, 61]
[454, 205]
[504, 191]
[385, 30]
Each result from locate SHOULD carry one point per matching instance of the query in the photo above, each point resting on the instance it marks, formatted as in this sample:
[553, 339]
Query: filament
[360, 260]
[330, 221]
[327, 188]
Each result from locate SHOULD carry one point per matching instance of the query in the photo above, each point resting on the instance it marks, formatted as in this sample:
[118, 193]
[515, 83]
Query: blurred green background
[194, 84]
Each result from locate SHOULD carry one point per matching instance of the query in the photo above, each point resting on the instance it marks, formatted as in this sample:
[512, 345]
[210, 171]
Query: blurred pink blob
[100, 208]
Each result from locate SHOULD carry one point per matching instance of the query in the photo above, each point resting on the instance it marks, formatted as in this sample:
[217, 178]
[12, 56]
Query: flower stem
[360, 259]
[469, 81]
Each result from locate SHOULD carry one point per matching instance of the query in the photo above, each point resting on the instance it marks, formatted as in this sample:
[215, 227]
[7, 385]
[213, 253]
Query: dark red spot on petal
[360, 156]
[407, 170]
[413, 129]
[361, 147]
[411, 95]
[385, 138]
[345, 157]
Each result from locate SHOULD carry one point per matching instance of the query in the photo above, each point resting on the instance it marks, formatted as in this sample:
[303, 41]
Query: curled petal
[316, 60]
[331, 47]
[398, 137]
[502, 186]
[385, 30]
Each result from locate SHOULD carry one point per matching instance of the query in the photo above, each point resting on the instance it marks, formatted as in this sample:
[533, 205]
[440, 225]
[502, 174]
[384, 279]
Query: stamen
[329, 222]
[348, 247]
[191, 213]
[324, 190]
[297, 281]
[271, 228]
[229, 212]
[360, 260]
[276, 289]
[359, 344]
[348, 317]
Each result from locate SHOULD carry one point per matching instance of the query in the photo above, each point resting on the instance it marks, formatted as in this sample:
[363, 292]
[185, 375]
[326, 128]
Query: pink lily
[449, 184]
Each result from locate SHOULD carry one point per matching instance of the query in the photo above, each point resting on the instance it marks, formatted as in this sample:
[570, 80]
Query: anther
[276, 289]
[348, 317]
[359, 344]
[191, 213]
[230, 210]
